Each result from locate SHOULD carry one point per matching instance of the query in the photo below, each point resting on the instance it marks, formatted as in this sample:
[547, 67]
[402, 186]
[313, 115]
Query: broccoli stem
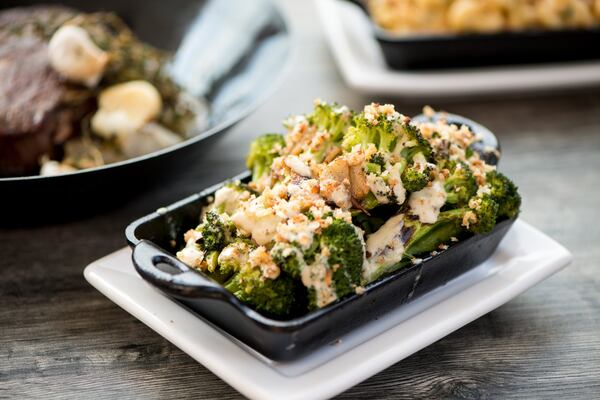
[428, 238]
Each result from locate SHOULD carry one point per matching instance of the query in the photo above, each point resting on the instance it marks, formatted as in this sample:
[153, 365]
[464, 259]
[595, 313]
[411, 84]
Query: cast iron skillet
[472, 50]
[156, 237]
[242, 68]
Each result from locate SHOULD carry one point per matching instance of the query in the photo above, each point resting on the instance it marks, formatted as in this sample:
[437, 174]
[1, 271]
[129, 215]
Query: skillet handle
[181, 281]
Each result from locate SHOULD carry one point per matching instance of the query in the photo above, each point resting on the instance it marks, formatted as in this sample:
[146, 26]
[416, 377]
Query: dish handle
[173, 276]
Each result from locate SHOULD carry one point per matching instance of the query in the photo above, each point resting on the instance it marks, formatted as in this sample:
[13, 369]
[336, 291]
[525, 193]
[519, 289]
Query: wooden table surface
[59, 337]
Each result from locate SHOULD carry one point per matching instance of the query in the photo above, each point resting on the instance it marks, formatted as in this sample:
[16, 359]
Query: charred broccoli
[415, 179]
[504, 192]
[461, 185]
[418, 153]
[420, 239]
[414, 143]
[485, 211]
[207, 240]
[478, 217]
[216, 232]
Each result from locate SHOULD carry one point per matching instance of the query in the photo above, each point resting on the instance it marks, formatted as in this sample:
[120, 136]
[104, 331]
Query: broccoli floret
[485, 209]
[263, 151]
[414, 179]
[234, 256]
[211, 259]
[333, 118]
[278, 297]
[383, 170]
[213, 268]
[341, 243]
[382, 134]
[505, 193]
[398, 143]
[414, 143]
[461, 185]
[414, 176]
[289, 258]
[479, 216]
[386, 134]
[216, 232]
[273, 296]
[346, 255]
[327, 124]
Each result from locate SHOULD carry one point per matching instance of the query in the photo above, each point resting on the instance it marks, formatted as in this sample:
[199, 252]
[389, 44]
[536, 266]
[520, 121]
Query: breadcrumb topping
[311, 182]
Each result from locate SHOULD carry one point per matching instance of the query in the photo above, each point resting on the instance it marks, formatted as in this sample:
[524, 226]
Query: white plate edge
[415, 84]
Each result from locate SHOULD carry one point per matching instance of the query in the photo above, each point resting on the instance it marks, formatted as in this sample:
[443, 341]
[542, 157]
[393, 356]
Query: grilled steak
[34, 114]
[30, 95]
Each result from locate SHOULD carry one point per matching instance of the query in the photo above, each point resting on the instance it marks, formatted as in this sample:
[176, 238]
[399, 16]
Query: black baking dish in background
[156, 237]
[422, 51]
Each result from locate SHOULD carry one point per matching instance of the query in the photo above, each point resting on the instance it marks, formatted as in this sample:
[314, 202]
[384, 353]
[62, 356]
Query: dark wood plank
[60, 338]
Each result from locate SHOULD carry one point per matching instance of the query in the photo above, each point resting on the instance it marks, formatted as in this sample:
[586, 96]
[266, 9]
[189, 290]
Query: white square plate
[525, 257]
[359, 58]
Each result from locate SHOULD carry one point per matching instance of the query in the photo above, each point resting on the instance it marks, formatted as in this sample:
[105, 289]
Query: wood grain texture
[60, 338]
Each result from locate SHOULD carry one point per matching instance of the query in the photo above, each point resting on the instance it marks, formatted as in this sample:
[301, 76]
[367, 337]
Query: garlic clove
[114, 123]
[126, 107]
[150, 137]
[76, 57]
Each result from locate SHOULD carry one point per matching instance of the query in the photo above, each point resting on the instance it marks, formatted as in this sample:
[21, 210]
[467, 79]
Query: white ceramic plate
[361, 62]
[525, 257]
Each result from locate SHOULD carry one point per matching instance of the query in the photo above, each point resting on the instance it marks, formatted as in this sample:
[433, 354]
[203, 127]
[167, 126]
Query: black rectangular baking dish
[156, 237]
[476, 50]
